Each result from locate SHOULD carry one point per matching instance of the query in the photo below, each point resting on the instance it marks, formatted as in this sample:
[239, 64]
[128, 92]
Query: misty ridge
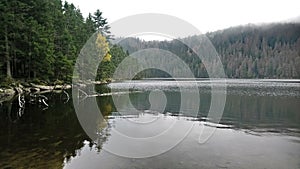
[248, 51]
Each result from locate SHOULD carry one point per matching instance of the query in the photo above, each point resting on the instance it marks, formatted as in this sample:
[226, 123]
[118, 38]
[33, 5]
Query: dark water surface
[260, 128]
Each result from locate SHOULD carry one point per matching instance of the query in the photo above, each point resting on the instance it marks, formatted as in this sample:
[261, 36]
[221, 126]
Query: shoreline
[10, 91]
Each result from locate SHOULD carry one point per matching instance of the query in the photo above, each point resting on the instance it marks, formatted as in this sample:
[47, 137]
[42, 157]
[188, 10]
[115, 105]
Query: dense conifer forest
[250, 51]
[41, 39]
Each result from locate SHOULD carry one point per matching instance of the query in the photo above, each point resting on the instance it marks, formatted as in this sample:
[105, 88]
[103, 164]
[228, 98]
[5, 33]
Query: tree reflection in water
[31, 137]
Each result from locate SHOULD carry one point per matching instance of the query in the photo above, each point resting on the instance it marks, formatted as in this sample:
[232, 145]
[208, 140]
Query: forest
[41, 39]
[250, 51]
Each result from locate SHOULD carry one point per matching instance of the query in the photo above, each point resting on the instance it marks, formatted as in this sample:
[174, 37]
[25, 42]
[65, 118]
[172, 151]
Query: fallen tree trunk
[56, 87]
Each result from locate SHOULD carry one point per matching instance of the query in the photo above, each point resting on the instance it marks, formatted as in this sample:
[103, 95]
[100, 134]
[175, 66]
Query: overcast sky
[206, 15]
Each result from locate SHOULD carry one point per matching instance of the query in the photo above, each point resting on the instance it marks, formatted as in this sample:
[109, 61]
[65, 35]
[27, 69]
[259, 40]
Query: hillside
[251, 51]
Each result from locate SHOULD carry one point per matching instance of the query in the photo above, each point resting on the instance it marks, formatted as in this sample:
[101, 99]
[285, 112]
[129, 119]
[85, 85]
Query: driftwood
[21, 100]
[56, 87]
[85, 83]
[6, 94]
[38, 98]
[82, 95]
[68, 97]
[34, 98]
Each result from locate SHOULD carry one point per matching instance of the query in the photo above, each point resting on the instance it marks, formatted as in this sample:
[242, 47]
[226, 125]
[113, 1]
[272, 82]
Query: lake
[259, 127]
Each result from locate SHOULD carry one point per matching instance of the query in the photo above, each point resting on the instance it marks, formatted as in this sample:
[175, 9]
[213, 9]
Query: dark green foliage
[41, 39]
[106, 69]
[101, 24]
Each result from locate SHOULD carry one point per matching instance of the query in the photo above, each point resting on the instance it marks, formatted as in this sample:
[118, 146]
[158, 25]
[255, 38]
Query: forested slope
[41, 39]
[267, 51]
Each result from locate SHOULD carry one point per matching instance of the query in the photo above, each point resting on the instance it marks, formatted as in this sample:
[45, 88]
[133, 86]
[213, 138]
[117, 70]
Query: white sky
[206, 15]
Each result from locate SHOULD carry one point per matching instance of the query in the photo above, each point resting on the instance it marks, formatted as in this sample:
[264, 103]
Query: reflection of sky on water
[260, 125]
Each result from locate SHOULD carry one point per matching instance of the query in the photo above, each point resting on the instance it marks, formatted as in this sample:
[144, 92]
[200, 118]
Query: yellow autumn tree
[103, 48]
